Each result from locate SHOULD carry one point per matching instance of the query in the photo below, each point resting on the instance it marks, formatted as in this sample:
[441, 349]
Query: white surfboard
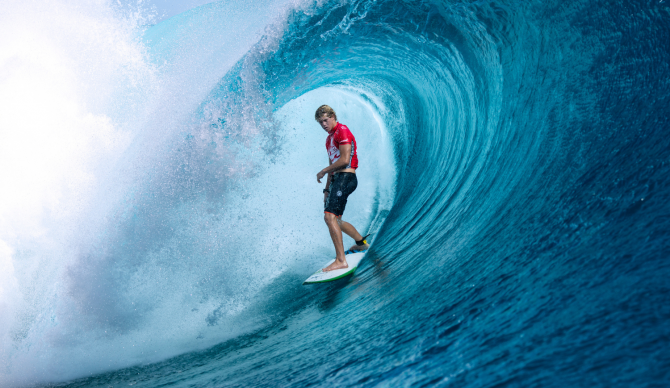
[321, 277]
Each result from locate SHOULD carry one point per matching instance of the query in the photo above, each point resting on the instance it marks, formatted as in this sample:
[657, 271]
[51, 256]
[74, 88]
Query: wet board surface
[321, 277]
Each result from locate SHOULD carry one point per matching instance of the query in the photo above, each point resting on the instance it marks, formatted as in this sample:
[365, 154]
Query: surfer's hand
[320, 175]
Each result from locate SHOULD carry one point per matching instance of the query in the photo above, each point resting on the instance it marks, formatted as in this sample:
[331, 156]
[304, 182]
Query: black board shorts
[341, 185]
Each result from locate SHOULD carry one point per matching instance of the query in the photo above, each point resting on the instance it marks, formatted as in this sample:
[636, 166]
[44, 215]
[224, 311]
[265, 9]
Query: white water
[85, 115]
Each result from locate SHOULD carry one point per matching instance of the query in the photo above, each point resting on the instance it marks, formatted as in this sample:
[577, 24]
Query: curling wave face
[513, 168]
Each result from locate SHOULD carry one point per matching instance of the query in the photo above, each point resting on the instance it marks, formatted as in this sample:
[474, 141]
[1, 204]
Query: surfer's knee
[330, 217]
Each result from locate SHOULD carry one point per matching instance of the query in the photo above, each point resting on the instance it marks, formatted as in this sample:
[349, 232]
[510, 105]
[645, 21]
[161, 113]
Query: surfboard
[353, 258]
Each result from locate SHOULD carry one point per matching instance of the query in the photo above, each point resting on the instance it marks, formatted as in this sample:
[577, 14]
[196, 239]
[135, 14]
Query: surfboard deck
[353, 258]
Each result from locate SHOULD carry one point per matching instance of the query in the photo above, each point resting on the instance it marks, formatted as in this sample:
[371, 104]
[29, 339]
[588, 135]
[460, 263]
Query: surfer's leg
[360, 245]
[336, 235]
[349, 229]
[341, 186]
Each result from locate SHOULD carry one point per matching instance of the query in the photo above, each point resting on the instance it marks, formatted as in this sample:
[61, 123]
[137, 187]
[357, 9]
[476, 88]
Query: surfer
[341, 182]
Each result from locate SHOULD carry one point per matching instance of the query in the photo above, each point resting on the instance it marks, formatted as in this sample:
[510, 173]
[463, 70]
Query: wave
[513, 163]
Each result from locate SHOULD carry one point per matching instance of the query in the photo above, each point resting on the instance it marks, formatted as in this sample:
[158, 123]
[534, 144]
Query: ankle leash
[362, 241]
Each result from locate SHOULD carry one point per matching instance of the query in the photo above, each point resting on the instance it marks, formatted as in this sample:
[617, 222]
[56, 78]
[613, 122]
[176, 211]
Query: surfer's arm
[326, 191]
[330, 177]
[323, 173]
[342, 162]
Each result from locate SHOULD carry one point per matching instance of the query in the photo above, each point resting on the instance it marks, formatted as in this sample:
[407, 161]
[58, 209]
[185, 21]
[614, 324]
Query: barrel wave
[514, 174]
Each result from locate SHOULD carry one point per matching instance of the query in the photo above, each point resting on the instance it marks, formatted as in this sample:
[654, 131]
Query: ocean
[159, 209]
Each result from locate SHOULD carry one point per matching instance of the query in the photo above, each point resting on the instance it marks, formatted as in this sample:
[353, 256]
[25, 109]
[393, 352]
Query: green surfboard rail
[333, 279]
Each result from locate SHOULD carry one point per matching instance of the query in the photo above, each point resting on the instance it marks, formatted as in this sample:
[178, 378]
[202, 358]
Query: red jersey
[341, 135]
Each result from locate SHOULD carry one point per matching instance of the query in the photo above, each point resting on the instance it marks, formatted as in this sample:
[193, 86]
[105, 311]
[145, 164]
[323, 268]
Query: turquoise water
[514, 174]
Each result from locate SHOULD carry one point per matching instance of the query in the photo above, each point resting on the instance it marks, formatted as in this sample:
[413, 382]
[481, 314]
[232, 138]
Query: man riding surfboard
[341, 182]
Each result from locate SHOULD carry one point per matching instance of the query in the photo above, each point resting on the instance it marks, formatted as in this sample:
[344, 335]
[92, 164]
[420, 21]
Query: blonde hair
[324, 109]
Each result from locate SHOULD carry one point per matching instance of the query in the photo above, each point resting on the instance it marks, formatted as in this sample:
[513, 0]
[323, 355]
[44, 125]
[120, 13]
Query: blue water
[515, 170]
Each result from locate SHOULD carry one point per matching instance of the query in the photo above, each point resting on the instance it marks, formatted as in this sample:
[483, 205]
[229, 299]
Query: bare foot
[336, 265]
[356, 248]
